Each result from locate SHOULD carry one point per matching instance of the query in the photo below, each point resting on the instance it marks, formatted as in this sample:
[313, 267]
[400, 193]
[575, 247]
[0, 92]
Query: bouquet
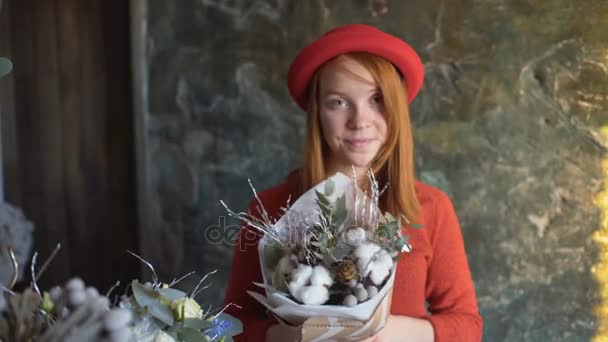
[331, 254]
[162, 313]
[154, 312]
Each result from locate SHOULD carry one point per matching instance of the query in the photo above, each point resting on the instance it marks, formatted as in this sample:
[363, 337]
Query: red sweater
[436, 271]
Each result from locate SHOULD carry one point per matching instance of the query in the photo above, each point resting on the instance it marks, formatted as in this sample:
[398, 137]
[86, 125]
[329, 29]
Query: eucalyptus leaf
[191, 335]
[195, 323]
[389, 216]
[340, 212]
[171, 294]
[278, 280]
[149, 299]
[341, 251]
[272, 254]
[165, 337]
[330, 187]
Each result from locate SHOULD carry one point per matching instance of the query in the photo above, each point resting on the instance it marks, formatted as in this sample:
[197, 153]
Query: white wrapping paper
[305, 209]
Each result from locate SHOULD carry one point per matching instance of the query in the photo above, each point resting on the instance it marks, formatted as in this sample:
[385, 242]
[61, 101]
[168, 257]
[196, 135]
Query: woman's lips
[358, 143]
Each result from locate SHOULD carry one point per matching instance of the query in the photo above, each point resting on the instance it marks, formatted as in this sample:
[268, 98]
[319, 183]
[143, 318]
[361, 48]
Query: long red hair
[394, 162]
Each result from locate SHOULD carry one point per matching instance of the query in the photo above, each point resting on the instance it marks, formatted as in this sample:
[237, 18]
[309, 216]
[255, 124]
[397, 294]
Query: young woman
[356, 83]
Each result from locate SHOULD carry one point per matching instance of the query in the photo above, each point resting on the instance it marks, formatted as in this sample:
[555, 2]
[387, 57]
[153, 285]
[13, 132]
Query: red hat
[352, 38]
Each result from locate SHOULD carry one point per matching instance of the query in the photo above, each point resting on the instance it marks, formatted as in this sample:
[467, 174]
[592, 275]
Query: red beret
[354, 38]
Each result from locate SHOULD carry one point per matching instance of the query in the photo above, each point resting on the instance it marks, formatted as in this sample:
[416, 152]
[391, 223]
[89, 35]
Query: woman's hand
[404, 328]
[380, 335]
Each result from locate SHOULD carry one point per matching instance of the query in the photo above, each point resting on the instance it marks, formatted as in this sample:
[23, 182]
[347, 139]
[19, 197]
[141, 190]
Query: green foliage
[332, 217]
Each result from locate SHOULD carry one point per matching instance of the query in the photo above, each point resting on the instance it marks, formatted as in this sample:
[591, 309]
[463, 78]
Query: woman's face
[351, 113]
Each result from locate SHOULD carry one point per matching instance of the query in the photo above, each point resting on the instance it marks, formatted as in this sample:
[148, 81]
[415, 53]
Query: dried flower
[186, 307]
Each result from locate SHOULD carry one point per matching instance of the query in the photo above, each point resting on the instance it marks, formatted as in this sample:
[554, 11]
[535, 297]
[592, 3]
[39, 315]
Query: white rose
[186, 307]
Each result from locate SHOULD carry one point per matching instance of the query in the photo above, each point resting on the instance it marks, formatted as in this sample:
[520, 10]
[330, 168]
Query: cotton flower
[310, 285]
[383, 258]
[355, 237]
[381, 268]
[321, 276]
[314, 294]
[378, 274]
[364, 254]
[301, 275]
[374, 262]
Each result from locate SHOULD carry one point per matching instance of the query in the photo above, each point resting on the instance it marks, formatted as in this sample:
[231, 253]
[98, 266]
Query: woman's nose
[359, 118]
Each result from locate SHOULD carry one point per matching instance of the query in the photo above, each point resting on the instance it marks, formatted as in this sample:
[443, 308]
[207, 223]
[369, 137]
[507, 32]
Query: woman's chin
[360, 162]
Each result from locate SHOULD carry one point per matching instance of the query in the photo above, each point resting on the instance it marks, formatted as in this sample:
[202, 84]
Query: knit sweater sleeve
[246, 270]
[450, 290]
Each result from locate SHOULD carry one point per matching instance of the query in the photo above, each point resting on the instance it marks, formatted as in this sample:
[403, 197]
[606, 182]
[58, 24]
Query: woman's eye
[337, 103]
[377, 98]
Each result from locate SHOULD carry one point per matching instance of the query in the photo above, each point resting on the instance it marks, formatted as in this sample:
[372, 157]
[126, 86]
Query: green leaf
[171, 294]
[191, 335]
[150, 300]
[389, 217]
[272, 254]
[162, 336]
[278, 280]
[340, 212]
[330, 186]
[322, 199]
[195, 323]
[340, 251]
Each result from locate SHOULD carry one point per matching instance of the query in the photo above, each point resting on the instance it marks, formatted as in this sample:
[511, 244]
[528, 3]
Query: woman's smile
[358, 144]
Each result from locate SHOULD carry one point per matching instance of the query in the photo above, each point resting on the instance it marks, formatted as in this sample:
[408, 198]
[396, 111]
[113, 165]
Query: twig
[260, 225]
[48, 261]
[194, 292]
[33, 270]
[112, 288]
[180, 279]
[224, 309]
[15, 266]
[2, 288]
[154, 277]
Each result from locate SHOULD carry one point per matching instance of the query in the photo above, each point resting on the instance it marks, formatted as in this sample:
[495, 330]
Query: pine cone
[346, 271]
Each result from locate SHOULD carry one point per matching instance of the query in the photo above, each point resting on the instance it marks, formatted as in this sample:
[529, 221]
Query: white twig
[182, 278]
[33, 270]
[112, 288]
[154, 277]
[194, 292]
[258, 224]
[224, 309]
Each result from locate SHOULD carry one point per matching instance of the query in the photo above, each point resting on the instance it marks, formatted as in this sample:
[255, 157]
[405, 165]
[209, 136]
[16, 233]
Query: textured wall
[508, 123]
